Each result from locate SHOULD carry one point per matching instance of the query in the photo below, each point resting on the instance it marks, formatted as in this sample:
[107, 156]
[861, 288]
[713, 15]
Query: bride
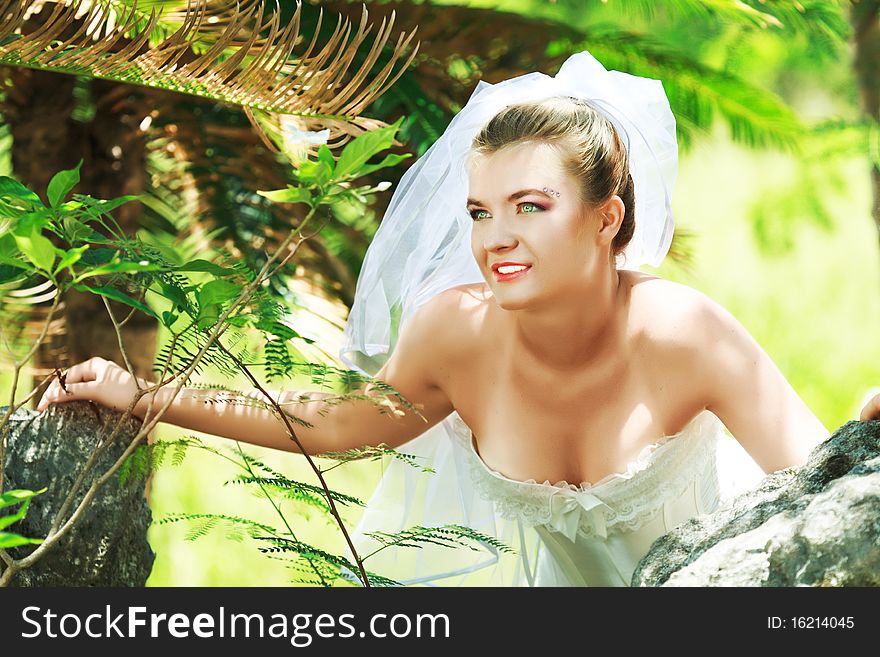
[571, 405]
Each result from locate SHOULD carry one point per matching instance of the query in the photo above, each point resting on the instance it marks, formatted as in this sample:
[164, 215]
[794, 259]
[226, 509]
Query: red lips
[510, 276]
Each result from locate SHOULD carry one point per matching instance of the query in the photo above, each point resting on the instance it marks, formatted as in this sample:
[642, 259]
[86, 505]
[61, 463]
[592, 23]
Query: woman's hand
[871, 411]
[96, 379]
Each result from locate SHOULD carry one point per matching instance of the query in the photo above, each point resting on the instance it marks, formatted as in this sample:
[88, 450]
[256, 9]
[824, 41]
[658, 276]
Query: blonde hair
[591, 148]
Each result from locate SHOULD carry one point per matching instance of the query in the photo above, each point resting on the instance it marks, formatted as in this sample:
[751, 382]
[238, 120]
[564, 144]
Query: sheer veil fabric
[422, 248]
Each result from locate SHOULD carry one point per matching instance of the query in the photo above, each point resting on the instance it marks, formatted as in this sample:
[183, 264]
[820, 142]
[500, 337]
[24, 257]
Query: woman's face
[515, 222]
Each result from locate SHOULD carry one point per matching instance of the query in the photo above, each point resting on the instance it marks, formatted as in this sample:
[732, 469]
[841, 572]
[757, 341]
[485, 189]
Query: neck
[582, 328]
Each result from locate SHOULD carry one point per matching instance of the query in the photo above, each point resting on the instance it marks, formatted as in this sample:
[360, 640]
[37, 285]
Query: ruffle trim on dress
[658, 474]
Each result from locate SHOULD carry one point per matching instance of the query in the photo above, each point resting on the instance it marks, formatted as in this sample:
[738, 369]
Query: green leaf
[12, 274]
[205, 266]
[117, 295]
[362, 148]
[290, 195]
[208, 316]
[280, 330]
[326, 156]
[31, 221]
[8, 540]
[9, 252]
[13, 497]
[176, 295]
[118, 268]
[69, 258]
[312, 172]
[99, 256]
[168, 318]
[217, 292]
[74, 229]
[61, 184]
[5, 521]
[101, 206]
[11, 188]
[389, 161]
[38, 249]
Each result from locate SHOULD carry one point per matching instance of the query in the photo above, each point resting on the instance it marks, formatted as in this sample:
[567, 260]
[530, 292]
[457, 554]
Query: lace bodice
[598, 531]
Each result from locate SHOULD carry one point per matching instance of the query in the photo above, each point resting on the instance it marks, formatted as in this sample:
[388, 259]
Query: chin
[507, 301]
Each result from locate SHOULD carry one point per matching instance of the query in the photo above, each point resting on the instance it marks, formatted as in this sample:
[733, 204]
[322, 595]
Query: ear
[610, 216]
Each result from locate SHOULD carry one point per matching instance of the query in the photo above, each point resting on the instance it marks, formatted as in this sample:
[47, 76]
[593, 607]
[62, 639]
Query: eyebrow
[514, 196]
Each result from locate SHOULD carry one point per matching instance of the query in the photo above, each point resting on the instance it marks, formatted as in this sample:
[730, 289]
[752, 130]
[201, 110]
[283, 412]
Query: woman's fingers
[85, 371]
[54, 394]
[871, 411]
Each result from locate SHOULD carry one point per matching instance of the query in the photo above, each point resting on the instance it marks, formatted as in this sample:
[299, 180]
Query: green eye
[529, 208]
[478, 214]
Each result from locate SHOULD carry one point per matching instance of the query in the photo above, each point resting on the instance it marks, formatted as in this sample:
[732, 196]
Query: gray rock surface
[817, 525]
[108, 546]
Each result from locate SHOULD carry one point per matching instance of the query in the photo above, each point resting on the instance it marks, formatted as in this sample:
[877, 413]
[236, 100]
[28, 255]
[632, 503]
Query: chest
[578, 425]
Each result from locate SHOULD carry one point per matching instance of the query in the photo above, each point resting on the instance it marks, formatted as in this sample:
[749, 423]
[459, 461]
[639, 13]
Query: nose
[497, 236]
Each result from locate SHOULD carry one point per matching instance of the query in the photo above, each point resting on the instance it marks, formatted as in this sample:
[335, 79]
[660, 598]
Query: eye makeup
[474, 205]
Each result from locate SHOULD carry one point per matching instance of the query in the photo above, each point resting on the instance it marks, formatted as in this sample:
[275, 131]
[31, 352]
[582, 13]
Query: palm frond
[756, 117]
[281, 482]
[449, 536]
[373, 453]
[819, 17]
[305, 550]
[461, 45]
[248, 57]
[203, 523]
[804, 201]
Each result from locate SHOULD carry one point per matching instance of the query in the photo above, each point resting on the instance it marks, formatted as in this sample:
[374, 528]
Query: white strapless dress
[589, 534]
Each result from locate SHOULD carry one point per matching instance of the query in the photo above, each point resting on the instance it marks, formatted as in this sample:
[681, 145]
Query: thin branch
[148, 425]
[278, 510]
[15, 374]
[122, 350]
[312, 464]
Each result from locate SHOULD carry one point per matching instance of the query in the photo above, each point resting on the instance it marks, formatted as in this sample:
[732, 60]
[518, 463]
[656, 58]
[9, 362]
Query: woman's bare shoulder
[665, 311]
[455, 317]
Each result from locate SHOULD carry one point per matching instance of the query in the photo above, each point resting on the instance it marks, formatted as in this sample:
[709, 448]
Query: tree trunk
[48, 135]
[865, 16]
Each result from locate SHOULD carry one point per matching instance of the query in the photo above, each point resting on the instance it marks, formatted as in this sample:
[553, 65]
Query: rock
[108, 546]
[817, 525]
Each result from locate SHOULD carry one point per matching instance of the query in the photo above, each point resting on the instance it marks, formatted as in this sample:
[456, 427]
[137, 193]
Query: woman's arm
[338, 426]
[747, 391]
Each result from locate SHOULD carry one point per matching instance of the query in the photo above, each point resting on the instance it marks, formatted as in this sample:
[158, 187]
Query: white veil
[422, 248]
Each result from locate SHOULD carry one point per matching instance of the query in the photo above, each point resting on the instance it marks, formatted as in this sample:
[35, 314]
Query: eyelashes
[538, 208]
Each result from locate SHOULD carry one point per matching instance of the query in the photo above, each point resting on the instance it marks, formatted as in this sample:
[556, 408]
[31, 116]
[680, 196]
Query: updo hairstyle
[589, 145]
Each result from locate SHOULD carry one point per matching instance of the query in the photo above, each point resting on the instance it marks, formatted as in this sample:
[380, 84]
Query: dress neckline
[644, 458]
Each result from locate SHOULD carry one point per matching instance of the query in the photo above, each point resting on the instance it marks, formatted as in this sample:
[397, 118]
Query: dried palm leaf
[24, 309]
[236, 53]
